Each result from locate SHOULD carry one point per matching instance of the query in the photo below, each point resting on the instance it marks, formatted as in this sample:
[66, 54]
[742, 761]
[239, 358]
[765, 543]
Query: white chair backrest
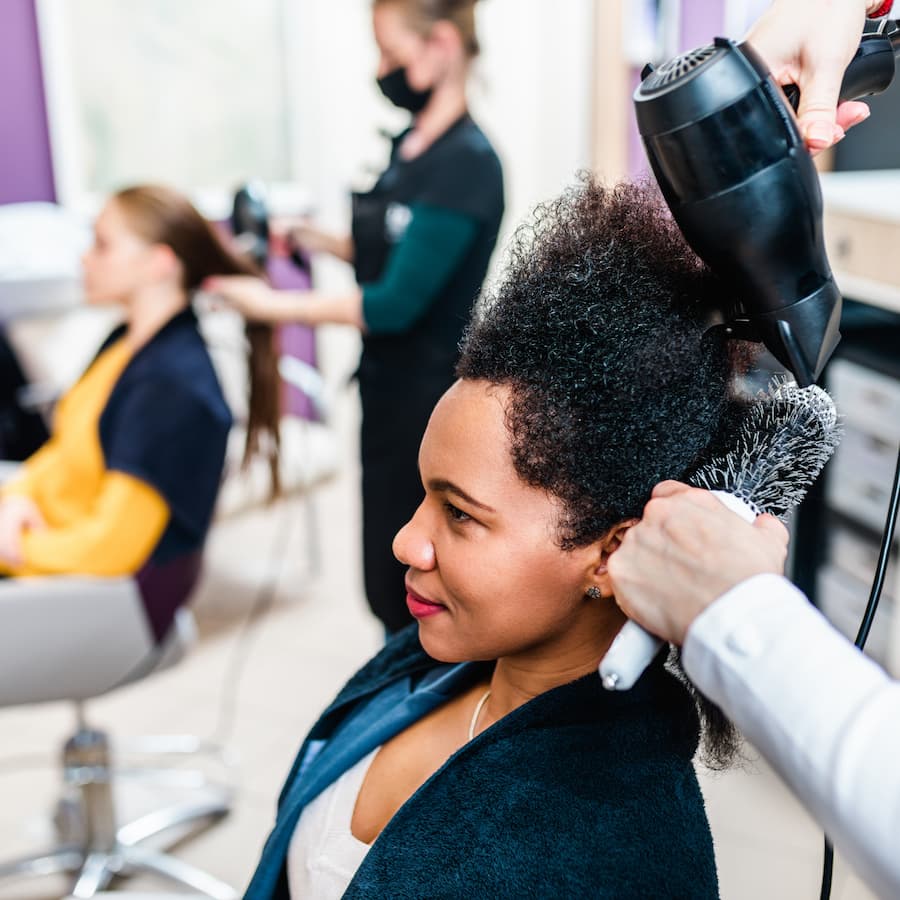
[71, 638]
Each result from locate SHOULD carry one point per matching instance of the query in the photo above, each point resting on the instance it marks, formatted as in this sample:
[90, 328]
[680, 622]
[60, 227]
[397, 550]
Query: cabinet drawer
[867, 399]
[860, 498]
[862, 246]
[864, 456]
[842, 600]
[860, 477]
[857, 556]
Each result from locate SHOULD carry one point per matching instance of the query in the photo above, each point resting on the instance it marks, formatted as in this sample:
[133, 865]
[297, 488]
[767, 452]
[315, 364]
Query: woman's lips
[422, 608]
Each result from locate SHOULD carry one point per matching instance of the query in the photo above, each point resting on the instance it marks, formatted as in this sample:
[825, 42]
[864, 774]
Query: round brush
[787, 436]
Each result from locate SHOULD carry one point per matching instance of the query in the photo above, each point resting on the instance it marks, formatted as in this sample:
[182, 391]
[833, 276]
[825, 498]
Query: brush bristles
[786, 439]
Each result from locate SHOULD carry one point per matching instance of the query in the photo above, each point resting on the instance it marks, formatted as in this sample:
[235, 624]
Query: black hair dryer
[729, 159]
[250, 222]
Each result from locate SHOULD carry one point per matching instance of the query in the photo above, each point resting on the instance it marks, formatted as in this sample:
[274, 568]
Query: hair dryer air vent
[677, 68]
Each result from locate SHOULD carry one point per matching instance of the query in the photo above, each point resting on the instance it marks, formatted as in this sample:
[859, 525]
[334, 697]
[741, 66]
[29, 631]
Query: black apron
[402, 376]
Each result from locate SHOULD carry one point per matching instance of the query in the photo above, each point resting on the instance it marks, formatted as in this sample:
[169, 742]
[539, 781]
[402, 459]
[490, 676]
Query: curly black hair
[600, 329]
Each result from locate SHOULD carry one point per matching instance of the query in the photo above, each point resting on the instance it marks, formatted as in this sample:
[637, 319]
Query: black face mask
[396, 88]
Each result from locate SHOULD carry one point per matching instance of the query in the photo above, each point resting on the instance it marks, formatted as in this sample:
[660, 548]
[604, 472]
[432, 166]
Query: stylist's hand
[18, 514]
[809, 43]
[686, 552]
[251, 297]
[302, 233]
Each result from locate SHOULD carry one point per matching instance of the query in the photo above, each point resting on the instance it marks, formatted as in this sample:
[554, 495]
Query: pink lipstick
[422, 608]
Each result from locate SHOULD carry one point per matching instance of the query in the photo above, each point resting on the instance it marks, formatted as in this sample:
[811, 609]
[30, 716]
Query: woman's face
[402, 47]
[487, 578]
[118, 262]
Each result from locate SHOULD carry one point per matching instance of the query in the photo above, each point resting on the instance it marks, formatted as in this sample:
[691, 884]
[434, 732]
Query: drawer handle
[875, 399]
[877, 444]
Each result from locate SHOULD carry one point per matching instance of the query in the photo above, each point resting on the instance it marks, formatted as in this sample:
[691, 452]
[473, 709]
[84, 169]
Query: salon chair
[109, 641]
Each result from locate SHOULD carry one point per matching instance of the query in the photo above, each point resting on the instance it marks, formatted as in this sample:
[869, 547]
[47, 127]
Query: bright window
[194, 93]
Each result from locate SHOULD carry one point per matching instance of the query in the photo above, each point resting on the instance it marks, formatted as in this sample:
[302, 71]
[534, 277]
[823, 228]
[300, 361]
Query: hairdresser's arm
[810, 43]
[255, 300]
[826, 717]
[418, 268]
[311, 239]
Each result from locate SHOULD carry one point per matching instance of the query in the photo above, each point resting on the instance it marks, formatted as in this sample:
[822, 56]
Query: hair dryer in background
[250, 224]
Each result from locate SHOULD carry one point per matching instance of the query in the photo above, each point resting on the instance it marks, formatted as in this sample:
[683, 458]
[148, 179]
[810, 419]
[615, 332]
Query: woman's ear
[446, 35]
[605, 547]
[164, 262]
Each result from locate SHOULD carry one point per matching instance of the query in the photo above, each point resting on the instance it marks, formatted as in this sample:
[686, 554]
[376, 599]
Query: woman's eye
[455, 514]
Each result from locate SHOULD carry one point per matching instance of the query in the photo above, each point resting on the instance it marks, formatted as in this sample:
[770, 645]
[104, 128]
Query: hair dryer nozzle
[801, 336]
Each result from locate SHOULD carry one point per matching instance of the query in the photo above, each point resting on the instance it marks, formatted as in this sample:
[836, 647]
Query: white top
[825, 716]
[323, 856]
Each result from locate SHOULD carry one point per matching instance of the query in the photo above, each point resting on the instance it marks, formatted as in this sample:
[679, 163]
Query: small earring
[593, 593]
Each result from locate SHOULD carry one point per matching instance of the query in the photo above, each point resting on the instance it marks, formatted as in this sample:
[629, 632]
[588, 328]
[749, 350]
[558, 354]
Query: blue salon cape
[580, 793]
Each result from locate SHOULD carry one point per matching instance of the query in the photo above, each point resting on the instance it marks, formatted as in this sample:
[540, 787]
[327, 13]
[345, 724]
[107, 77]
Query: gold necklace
[477, 713]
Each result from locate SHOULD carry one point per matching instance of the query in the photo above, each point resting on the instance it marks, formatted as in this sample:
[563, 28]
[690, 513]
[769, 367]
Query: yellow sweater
[99, 522]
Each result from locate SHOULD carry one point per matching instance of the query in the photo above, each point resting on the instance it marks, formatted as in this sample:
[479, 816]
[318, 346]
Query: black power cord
[865, 627]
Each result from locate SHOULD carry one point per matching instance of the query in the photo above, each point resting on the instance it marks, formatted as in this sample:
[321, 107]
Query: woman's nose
[413, 546]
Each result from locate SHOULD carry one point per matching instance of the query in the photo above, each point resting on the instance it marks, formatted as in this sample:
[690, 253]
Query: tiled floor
[290, 663]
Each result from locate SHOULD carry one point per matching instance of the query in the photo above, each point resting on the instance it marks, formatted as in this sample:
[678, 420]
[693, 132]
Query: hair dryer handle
[634, 648]
[871, 70]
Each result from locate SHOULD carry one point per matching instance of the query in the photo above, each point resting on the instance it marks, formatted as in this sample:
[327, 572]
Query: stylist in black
[420, 245]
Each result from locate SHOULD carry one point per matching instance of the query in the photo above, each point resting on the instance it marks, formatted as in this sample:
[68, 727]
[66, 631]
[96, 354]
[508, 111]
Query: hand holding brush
[786, 438]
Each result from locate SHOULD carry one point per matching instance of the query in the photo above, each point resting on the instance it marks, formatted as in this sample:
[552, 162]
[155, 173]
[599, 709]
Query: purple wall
[294, 340]
[701, 21]
[25, 167]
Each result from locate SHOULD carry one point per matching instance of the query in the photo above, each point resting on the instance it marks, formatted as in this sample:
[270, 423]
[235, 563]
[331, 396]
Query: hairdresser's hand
[18, 514]
[810, 43]
[686, 552]
[253, 298]
[299, 232]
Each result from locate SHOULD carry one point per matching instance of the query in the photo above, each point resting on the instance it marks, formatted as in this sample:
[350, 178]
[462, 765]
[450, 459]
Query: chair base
[95, 849]
[93, 870]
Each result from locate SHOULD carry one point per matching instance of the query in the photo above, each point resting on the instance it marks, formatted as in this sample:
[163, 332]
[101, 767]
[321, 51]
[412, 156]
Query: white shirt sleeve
[825, 716]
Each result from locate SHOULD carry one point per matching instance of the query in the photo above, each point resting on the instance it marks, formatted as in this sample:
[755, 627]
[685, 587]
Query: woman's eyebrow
[441, 485]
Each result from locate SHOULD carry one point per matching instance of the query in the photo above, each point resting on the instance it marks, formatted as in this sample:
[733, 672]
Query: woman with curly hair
[477, 755]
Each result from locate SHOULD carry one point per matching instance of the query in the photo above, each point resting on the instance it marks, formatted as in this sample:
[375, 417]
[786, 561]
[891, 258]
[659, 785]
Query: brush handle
[634, 648]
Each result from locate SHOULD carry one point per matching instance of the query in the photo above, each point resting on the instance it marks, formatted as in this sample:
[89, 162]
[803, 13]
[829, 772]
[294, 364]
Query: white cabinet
[862, 232]
[859, 484]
